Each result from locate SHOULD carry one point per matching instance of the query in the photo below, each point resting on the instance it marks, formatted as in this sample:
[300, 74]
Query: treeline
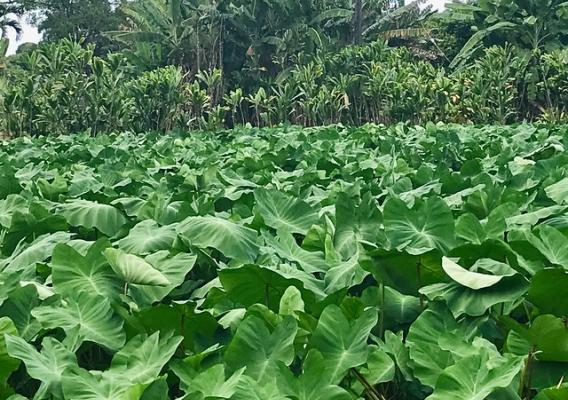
[172, 70]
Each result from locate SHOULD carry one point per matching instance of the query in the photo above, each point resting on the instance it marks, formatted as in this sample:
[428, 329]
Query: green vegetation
[161, 65]
[289, 263]
[284, 200]
[49, 92]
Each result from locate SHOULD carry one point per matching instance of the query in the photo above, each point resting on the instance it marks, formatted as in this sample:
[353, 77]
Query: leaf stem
[382, 315]
[368, 387]
[526, 376]
[419, 278]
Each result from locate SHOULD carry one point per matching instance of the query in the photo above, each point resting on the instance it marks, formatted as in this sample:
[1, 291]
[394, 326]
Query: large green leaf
[476, 377]
[82, 385]
[287, 248]
[7, 363]
[47, 366]
[550, 335]
[25, 256]
[552, 244]
[558, 191]
[429, 226]
[147, 237]
[428, 360]
[132, 370]
[260, 350]
[343, 343]
[9, 206]
[88, 214]
[18, 308]
[462, 300]
[133, 269]
[143, 357]
[83, 316]
[545, 291]
[211, 383]
[313, 383]
[284, 212]
[73, 273]
[174, 269]
[472, 280]
[355, 223]
[231, 239]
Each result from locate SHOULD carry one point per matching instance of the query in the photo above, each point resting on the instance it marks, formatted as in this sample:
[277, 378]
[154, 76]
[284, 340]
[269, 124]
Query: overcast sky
[31, 34]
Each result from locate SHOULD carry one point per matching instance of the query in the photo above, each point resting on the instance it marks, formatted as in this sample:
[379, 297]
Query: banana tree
[533, 25]
[161, 22]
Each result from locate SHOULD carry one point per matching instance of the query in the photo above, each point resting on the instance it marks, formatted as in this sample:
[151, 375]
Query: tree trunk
[358, 22]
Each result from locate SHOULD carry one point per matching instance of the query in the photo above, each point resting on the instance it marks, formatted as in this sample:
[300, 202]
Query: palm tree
[9, 13]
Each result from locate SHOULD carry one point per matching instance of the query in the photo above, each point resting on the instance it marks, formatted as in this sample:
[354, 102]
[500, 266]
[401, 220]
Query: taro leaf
[9, 206]
[472, 280]
[250, 389]
[210, 384]
[556, 393]
[558, 191]
[8, 283]
[313, 383]
[399, 309]
[394, 346]
[533, 217]
[476, 377]
[469, 228]
[550, 335]
[355, 224]
[231, 239]
[158, 390]
[286, 248]
[546, 291]
[73, 273]
[143, 357]
[428, 361]
[462, 300]
[496, 224]
[173, 268]
[344, 274]
[82, 385]
[552, 244]
[284, 212]
[252, 284]
[90, 214]
[84, 316]
[343, 343]
[37, 222]
[27, 255]
[147, 237]
[197, 327]
[18, 308]
[380, 367]
[291, 301]
[51, 190]
[84, 182]
[7, 363]
[133, 269]
[253, 346]
[430, 226]
[47, 366]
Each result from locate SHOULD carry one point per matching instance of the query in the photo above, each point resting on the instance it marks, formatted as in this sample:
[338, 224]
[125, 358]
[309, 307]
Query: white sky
[30, 33]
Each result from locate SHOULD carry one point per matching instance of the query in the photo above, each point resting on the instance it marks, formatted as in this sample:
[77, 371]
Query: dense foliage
[64, 88]
[317, 263]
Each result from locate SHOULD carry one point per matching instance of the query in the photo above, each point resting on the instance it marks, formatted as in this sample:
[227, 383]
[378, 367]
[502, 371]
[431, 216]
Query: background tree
[76, 19]
[531, 25]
